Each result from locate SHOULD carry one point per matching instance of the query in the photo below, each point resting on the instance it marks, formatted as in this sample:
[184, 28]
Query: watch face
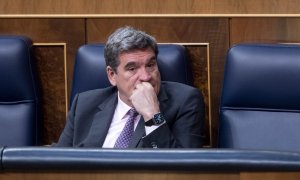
[158, 118]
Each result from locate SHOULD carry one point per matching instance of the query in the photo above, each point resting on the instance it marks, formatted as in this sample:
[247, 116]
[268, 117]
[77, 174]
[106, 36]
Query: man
[138, 110]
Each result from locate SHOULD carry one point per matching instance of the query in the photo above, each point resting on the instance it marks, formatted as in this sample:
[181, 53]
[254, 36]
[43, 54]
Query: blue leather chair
[19, 120]
[260, 103]
[90, 68]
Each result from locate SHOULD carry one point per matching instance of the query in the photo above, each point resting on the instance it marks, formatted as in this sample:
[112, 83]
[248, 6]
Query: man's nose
[144, 75]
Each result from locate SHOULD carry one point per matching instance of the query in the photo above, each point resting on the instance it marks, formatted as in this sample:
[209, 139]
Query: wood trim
[141, 15]
[64, 45]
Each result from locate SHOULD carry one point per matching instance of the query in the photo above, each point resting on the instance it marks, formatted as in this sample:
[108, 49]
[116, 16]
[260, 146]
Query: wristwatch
[156, 120]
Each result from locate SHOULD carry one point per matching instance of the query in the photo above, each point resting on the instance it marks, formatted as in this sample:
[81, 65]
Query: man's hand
[144, 100]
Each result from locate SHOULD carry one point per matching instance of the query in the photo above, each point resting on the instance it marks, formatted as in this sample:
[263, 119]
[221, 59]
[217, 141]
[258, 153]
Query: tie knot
[132, 112]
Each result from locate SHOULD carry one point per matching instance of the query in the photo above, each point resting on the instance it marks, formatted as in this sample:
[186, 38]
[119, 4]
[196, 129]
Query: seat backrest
[90, 67]
[260, 103]
[19, 120]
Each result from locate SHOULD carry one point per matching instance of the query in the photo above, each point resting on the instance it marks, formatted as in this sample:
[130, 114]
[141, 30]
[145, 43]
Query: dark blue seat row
[216, 160]
[260, 106]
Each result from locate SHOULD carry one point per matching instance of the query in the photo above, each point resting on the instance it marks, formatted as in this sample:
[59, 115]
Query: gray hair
[126, 39]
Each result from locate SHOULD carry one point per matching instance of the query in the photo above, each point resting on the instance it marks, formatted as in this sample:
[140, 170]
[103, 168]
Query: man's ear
[111, 75]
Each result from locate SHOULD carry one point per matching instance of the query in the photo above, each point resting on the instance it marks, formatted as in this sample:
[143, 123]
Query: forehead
[137, 53]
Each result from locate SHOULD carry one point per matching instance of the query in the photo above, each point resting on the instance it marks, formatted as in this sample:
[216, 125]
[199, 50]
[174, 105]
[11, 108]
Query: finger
[148, 85]
[138, 86]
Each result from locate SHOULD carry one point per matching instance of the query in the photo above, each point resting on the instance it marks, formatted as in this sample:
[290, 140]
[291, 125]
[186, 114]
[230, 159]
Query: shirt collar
[122, 108]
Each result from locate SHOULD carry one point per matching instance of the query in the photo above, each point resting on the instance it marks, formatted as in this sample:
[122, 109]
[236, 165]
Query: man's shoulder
[175, 89]
[96, 95]
[99, 92]
[88, 101]
[177, 86]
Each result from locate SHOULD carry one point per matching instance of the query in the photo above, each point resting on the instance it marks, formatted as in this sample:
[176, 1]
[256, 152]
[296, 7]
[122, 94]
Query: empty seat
[19, 106]
[260, 104]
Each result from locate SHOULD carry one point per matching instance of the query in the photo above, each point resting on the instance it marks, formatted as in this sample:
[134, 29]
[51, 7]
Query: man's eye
[151, 64]
[131, 69]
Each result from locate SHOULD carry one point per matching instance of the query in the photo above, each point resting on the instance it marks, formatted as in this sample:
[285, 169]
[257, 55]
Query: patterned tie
[126, 134]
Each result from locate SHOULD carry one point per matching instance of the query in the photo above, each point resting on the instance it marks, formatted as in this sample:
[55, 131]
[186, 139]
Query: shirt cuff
[150, 129]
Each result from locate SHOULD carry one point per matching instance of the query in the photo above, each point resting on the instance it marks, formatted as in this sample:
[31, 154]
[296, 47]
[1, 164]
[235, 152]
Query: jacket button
[154, 145]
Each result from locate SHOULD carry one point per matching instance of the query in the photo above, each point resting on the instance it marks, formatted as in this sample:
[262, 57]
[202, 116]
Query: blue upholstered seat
[260, 104]
[19, 122]
[90, 68]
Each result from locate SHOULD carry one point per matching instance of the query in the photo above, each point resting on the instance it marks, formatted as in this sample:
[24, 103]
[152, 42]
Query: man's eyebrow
[152, 58]
[130, 64]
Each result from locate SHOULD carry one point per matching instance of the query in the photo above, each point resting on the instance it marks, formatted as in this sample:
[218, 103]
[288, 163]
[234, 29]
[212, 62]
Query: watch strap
[156, 120]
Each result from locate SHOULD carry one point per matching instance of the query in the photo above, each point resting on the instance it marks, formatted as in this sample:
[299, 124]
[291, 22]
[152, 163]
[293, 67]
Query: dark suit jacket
[92, 111]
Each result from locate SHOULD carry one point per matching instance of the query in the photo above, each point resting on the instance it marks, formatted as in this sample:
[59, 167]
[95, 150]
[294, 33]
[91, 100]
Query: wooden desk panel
[270, 176]
[134, 175]
[117, 176]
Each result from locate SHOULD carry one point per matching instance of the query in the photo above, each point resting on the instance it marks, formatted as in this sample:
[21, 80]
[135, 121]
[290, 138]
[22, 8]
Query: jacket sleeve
[185, 129]
[66, 137]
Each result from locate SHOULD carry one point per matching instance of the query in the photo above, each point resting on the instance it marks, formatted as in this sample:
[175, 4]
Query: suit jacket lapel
[162, 95]
[101, 122]
[138, 134]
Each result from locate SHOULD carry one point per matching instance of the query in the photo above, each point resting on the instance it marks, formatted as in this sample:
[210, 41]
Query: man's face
[135, 67]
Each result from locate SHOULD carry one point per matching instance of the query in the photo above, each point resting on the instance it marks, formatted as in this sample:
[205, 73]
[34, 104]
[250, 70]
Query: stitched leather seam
[260, 109]
[18, 102]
